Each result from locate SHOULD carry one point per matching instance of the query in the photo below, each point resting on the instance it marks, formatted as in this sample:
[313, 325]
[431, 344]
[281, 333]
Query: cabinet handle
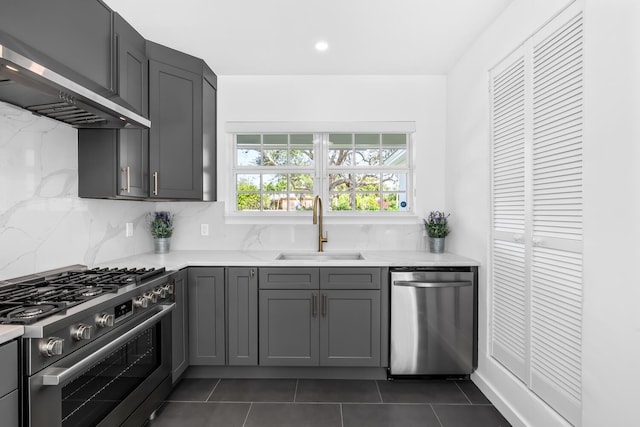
[252, 273]
[155, 183]
[314, 305]
[127, 172]
[324, 305]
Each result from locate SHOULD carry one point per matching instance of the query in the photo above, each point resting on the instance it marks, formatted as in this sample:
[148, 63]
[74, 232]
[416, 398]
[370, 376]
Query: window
[368, 173]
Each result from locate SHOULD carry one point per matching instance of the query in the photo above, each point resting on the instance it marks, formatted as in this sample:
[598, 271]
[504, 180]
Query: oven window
[91, 396]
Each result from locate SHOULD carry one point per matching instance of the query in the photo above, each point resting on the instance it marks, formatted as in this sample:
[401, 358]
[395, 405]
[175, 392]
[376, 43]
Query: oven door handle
[58, 376]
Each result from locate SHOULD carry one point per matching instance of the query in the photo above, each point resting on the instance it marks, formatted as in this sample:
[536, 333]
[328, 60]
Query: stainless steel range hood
[36, 88]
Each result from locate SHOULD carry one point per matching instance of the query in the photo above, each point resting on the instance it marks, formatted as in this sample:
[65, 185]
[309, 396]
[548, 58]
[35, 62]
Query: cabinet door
[133, 153]
[350, 328]
[289, 329]
[132, 66]
[180, 327]
[175, 143]
[206, 316]
[242, 316]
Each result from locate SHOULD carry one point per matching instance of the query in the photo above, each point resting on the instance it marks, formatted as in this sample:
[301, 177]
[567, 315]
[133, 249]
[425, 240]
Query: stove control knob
[141, 302]
[168, 289]
[151, 297]
[104, 320]
[161, 293]
[51, 347]
[81, 332]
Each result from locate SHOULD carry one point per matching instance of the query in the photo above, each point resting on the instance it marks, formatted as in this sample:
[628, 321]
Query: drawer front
[350, 278]
[288, 278]
[9, 409]
[8, 367]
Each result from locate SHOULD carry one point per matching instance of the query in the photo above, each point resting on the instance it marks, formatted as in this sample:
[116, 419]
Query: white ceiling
[278, 36]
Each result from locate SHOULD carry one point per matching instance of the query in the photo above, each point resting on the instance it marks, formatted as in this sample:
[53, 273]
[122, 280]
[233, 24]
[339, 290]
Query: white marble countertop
[176, 260]
[9, 332]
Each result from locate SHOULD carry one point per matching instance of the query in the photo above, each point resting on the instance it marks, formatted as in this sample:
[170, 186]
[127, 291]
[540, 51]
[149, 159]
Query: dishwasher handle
[433, 284]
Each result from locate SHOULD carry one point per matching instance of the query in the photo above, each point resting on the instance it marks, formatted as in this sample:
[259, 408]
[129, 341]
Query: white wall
[611, 330]
[43, 224]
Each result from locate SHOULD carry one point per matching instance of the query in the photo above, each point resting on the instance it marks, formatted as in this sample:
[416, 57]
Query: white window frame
[228, 169]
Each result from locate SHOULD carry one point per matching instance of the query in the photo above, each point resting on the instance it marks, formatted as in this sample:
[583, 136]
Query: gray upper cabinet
[72, 37]
[132, 66]
[180, 327]
[182, 143]
[115, 163]
[206, 316]
[242, 316]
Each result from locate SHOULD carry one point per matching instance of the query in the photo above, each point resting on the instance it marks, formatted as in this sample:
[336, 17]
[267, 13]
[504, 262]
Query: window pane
[301, 157]
[248, 202]
[280, 139]
[367, 157]
[274, 158]
[395, 202]
[248, 182]
[340, 140]
[394, 182]
[340, 157]
[341, 202]
[340, 182]
[301, 182]
[367, 140]
[304, 139]
[394, 139]
[248, 157]
[368, 182]
[368, 202]
[248, 139]
[301, 202]
[394, 157]
[274, 182]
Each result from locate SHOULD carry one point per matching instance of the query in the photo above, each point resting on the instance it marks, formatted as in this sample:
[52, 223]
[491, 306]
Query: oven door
[118, 379]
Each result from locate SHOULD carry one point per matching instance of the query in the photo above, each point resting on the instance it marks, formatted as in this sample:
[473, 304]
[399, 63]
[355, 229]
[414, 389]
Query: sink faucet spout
[317, 219]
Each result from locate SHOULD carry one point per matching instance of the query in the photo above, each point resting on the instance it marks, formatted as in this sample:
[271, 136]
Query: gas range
[30, 299]
[96, 348]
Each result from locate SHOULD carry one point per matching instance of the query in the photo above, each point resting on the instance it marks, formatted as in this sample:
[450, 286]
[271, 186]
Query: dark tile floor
[327, 403]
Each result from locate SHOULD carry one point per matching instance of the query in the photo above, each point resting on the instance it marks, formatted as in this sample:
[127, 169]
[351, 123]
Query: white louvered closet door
[556, 273]
[536, 260]
[509, 332]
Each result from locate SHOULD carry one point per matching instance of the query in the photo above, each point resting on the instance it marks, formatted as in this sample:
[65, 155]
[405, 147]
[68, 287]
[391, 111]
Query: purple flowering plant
[161, 224]
[436, 224]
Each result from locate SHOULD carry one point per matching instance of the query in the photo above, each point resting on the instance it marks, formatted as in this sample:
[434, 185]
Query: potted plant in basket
[437, 229]
[161, 226]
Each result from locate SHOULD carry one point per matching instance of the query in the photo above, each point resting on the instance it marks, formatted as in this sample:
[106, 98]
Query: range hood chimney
[36, 88]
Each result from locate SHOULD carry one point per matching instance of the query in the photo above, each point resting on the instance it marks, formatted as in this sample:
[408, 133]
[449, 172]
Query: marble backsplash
[44, 224]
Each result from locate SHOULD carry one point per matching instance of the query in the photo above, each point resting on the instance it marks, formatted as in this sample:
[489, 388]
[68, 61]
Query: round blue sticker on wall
[403, 204]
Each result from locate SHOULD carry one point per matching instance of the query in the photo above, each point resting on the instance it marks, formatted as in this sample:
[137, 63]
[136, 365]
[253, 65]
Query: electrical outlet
[204, 229]
[128, 229]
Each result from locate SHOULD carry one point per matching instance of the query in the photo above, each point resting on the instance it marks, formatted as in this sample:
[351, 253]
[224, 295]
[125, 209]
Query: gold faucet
[317, 219]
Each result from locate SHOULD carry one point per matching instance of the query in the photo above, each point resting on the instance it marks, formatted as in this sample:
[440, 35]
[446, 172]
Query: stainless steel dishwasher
[434, 321]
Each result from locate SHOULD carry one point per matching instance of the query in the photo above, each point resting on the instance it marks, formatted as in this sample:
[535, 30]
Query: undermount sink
[320, 256]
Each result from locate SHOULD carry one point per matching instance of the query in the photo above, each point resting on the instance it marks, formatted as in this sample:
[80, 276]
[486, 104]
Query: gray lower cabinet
[180, 327]
[242, 316]
[350, 328]
[317, 325]
[289, 328]
[206, 316]
[9, 403]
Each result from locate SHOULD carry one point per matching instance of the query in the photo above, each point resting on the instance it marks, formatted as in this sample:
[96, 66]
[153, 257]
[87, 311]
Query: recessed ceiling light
[322, 45]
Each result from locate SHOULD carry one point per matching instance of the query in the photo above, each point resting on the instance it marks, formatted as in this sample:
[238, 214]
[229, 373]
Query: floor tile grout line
[246, 417]
[436, 414]
[214, 389]
[463, 393]
[379, 392]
